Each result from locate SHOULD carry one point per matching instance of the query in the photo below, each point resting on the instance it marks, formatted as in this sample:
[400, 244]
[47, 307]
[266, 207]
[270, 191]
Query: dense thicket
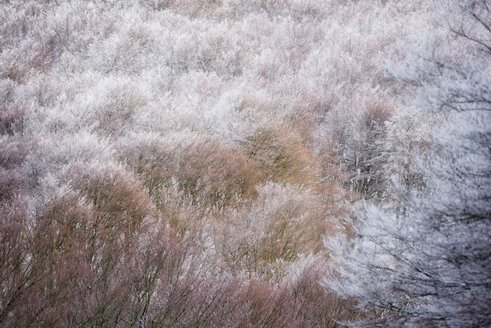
[179, 163]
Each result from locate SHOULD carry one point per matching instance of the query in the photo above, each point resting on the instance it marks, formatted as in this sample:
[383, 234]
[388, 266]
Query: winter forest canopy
[245, 163]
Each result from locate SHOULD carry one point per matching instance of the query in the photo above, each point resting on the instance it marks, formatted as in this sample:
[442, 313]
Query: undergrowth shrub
[259, 239]
[282, 157]
[204, 171]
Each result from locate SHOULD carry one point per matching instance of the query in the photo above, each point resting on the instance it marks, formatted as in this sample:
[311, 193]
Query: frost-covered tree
[421, 256]
[176, 162]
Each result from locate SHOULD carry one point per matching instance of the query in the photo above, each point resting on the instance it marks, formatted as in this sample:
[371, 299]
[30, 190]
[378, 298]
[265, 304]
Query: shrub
[202, 170]
[282, 157]
[262, 237]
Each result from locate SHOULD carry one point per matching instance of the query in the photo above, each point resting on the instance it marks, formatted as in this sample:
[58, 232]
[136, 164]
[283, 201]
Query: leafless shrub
[210, 174]
[282, 157]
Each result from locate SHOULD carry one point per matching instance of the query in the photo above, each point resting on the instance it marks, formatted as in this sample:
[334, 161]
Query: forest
[245, 163]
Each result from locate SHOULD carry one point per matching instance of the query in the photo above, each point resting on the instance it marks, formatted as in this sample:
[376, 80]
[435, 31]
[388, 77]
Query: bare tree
[421, 256]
